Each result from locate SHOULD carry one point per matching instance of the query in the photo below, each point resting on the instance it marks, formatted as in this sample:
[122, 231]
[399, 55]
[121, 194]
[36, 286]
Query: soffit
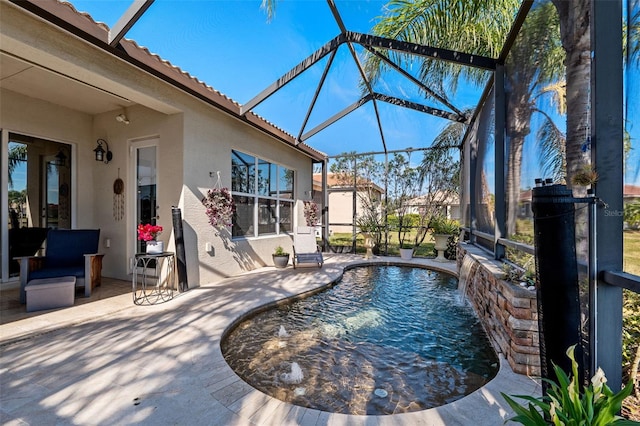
[38, 83]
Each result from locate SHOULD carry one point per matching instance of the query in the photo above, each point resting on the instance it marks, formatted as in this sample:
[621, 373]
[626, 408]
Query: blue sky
[231, 46]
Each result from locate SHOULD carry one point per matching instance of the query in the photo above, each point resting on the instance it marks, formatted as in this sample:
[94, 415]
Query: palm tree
[574, 19]
[478, 27]
[17, 156]
[481, 27]
[534, 70]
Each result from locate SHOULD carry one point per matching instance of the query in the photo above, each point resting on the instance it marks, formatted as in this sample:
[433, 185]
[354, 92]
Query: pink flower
[148, 232]
[219, 207]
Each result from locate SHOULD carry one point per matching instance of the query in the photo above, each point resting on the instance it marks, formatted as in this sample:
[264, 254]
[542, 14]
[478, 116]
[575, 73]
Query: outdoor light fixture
[121, 118]
[61, 159]
[101, 154]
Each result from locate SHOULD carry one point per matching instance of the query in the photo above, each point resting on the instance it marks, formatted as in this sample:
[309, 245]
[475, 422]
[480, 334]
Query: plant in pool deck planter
[311, 213]
[220, 207]
[569, 403]
[280, 257]
[148, 232]
[585, 176]
[445, 232]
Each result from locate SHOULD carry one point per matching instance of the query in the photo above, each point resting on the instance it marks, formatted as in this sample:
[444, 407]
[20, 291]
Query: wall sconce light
[61, 159]
[101, 154]
[121, 118]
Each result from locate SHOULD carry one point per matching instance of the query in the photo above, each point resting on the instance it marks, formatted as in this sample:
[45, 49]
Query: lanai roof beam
[414, 80]
[461, 58]
[293, 73]
[127, 20]
[384, 98]
[363, 75]
[315, 96]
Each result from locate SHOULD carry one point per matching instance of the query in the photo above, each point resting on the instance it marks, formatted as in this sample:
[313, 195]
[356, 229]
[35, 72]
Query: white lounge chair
[305, 248]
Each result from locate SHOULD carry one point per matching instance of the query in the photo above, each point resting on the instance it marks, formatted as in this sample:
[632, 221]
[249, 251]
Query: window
[263, 195]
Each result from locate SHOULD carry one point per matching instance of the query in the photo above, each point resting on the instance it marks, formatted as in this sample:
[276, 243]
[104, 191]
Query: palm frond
[479, 27]
[552, 142]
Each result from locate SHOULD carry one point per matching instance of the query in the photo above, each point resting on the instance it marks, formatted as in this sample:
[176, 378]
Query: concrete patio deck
[112, 362]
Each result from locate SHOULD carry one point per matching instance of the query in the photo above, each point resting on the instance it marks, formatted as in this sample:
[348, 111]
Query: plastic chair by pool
[305, 248]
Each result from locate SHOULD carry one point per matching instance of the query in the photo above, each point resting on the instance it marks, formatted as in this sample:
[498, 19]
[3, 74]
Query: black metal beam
[363, 75]
[607, 157]
[293, 73]
[384, 98]
[622, 279]
[127, 20]
[315, 95]
[414, 80]
[419, 107]
[500, 108]
[437, 53]
[336, 117]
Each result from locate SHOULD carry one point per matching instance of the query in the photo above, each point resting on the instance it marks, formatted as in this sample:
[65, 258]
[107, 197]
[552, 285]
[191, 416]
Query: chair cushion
[67, 247]
[67, 271]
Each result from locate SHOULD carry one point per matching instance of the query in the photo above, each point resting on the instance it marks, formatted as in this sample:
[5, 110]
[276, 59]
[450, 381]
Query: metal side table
[154, 277]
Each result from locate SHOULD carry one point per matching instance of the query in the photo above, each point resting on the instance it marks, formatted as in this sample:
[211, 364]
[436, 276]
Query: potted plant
[443, 229]
[148, 233]
[220, 207]
[311, 213]
[370, 226]
[280, 258]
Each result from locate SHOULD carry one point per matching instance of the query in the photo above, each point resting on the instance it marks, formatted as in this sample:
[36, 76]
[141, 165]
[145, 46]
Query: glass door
[146, 187]
[38, 195]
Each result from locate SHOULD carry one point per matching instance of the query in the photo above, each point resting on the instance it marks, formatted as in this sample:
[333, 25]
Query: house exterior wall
[209, 140]
[194, 139]
[341, 210]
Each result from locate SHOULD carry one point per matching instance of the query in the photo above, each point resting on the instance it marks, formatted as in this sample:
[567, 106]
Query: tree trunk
[576, 41]
[512, 184]
[518, 123]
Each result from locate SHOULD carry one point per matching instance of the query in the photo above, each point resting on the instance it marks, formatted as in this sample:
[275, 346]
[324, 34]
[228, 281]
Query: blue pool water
[384, 340]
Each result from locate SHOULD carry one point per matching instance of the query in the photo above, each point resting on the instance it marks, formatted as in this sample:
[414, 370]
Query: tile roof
[66, 16]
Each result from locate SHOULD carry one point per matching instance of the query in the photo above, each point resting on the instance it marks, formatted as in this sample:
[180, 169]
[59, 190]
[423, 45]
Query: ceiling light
[121, 118]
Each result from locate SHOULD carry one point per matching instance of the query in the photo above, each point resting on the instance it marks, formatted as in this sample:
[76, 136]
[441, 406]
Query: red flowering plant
[220, 207]
[148, 232]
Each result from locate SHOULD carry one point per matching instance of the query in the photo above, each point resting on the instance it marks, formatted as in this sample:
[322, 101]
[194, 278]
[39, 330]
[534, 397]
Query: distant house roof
[65, 16]
[446, 198]
[334, 182]
[631, 191]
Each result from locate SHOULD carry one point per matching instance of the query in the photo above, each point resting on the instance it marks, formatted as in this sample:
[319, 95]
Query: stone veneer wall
[507, 311]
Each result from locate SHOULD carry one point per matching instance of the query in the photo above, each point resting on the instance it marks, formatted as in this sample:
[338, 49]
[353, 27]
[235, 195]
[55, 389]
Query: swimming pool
[384, 340]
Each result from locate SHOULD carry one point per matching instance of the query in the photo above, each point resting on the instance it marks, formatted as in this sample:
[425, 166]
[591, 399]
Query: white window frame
[256, 196]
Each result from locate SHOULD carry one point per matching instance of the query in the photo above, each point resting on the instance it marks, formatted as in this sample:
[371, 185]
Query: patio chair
[305, 248]
[69, 252]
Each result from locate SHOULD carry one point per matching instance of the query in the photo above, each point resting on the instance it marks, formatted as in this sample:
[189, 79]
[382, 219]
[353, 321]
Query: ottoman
[50, 293]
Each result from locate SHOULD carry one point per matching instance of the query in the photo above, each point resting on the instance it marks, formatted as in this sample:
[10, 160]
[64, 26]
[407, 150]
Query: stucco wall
[37, 118]
[209, 140]
[145, 124]
[194, 139]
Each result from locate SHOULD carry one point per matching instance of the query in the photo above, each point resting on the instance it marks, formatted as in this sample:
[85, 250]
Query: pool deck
[112, 362]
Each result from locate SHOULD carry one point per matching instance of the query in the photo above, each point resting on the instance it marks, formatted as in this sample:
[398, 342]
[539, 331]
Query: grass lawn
[631, 252]
[425, 249]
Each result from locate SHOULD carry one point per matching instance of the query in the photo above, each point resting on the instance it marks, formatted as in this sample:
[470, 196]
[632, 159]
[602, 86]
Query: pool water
[384, 340]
